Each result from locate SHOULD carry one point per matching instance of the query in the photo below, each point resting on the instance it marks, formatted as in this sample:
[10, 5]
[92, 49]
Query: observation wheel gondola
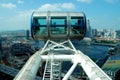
[58, 25]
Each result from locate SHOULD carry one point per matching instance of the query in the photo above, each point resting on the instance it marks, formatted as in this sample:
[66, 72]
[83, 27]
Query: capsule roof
[39, 13]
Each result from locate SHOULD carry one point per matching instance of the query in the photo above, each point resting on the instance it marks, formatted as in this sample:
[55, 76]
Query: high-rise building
[109, 34]
[118, 34]
[88, 31]
[27, 34]
[94, 32]
[1, 50]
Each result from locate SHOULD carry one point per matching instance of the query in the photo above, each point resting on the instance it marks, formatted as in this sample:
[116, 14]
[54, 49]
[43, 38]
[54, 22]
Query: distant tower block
[58, 25]
[88, 31]
[1, 50]
[27, 35]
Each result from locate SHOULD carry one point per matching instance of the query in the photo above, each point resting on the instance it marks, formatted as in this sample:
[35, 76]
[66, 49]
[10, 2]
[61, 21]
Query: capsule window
[40, 26]
[76, 25]
[58, 25]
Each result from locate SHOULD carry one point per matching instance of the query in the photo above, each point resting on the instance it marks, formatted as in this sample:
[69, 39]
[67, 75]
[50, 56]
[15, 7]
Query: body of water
[93, 51]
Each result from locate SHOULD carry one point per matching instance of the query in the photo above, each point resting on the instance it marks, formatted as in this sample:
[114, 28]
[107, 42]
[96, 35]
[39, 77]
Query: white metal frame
[28, 72]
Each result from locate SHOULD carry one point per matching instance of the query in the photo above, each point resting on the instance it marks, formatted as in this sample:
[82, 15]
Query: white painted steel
[51, 62]
[71, 45]
[45, 69]
[90, 68]
[28, 72]
[43, 49]
[70, 77]
[57, 57]
[39, 14]
[60, 45]
[66, 77]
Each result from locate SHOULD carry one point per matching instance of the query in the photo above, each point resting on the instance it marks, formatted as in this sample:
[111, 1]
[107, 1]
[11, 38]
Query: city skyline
[16, 14]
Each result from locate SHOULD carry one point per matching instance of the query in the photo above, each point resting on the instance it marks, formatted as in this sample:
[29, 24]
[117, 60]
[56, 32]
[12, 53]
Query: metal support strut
[54, 54]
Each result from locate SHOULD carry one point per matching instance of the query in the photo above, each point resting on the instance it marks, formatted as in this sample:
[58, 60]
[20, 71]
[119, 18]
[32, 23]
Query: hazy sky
[103, 14]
